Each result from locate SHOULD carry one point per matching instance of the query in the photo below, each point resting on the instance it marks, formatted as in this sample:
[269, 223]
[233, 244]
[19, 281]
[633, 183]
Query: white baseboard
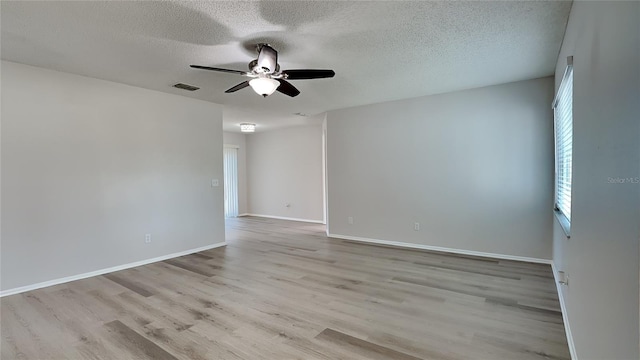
[565, 319]
[441, 249]
[285, 218]
[104, 271]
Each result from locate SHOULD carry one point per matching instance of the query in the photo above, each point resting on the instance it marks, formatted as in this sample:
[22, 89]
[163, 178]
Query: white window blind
[563, 118]
[230, 164]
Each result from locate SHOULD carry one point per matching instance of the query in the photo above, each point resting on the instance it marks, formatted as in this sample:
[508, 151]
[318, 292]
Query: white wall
[601, 257]
[474, 168]
[90, 166]
[284, 166]
[239, 140]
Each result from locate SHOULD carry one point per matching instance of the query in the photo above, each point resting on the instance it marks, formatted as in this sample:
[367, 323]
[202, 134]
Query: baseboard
[284, 218]
[104, 271]
[565, 319]
[441, 249]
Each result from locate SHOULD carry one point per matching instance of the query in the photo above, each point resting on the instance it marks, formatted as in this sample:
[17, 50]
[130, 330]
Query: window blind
[563, 119]
[230, 182]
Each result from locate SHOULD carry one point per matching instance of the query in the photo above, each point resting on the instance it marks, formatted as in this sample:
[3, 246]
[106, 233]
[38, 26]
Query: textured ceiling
[380, 51]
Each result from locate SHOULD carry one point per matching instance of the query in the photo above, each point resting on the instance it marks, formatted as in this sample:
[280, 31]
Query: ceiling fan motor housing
[267, 59]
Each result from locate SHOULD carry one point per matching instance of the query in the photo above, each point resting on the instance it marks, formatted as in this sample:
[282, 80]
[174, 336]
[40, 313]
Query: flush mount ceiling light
[264, 86]
[246, 127]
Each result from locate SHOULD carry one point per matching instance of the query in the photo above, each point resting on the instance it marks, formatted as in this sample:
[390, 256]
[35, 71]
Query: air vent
[185, 87]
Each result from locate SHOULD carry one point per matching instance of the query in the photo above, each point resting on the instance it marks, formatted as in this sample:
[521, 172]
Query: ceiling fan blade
[268, 59]
[219, 69]
[242, 85]
[287, 89]
[305, 74]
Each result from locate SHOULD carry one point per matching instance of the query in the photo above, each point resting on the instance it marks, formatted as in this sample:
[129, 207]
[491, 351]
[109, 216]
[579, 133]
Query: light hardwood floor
[282, 290]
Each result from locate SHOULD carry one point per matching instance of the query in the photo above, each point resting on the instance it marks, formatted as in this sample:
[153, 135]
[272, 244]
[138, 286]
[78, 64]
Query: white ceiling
[380, 51]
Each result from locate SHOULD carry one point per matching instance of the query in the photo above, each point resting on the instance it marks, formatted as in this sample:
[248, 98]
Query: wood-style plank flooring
[282, 290]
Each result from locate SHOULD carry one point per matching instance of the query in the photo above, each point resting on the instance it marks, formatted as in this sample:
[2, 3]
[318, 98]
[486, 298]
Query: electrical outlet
[563, 278]
[147, 238]
[215, 182]
[416, 226]
[350, 220]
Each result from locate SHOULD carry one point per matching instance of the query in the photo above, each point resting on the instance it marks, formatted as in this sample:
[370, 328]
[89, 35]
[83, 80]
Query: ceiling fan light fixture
[264, 86]
[266, 74]
[246, 127]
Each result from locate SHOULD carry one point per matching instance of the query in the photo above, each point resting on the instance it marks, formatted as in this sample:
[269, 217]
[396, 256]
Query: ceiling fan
[266, 75]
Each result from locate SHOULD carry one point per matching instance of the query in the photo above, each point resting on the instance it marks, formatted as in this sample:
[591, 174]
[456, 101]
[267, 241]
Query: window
[230, 164]
[563, 123]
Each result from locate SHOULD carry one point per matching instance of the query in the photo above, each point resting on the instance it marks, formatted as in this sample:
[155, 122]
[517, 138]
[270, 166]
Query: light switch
[214, 182]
